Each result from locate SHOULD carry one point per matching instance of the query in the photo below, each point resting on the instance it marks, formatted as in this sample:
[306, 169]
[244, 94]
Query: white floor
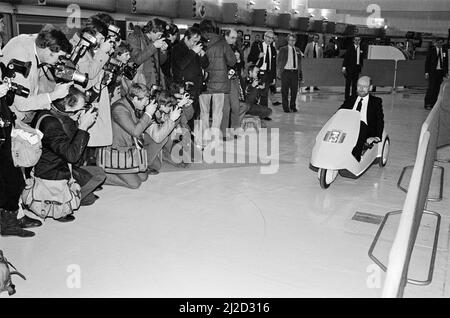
[234, 232]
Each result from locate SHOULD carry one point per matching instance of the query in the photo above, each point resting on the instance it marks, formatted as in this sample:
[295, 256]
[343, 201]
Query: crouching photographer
[137, 138]
[59, 185]
[43, 48]
[255, 84]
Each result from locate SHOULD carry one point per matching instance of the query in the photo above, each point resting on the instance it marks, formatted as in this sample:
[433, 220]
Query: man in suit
[264, 55]
[436, 68]
[313, 50]
[352, 65]
[289, 68]
[372, 117]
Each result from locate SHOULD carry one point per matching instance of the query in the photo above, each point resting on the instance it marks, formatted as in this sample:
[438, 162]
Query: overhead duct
[284, 20]
[100, 5]
[166, 8]
[232, 13]
[199, 9]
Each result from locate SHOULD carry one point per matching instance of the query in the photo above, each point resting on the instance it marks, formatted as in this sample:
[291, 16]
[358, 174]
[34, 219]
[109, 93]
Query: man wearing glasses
[264, 55]
[289, 70]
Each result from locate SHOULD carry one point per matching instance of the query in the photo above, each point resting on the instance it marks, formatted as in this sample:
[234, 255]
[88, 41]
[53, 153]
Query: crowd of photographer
[93, 109]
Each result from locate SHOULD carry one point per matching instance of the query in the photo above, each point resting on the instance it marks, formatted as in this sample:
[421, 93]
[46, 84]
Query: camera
[130, 70]
[188, 87]
[86, 42]
[261, 75]
[154, 90]
[112, 69]
[65, 71]
[169, 30]
[113, 33]
[9, 72]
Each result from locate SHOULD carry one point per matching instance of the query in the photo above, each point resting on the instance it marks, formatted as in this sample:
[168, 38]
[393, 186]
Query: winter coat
[60, 145]
[144, 53]
[221, 57]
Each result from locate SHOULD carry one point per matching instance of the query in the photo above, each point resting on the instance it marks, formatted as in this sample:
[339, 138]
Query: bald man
[372, 117]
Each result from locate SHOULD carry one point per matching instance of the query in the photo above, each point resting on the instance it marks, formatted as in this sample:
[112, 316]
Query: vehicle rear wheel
[385, 153]
[326, 177]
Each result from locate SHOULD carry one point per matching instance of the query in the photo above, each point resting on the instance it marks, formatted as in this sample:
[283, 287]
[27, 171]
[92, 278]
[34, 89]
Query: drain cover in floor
[367, 218]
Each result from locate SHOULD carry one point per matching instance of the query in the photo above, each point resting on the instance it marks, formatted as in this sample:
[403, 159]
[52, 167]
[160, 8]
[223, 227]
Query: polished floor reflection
[231, 231]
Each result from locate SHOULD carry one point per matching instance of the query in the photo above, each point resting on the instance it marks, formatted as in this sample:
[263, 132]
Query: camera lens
[81, 79]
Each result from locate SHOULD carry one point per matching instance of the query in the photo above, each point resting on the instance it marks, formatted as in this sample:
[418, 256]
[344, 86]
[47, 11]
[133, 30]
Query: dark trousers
[351, 80]
[289, 81]
[363, 135]
[264, 93]
[11, 180]
[89, 178]
[434, 84]
[196, 105]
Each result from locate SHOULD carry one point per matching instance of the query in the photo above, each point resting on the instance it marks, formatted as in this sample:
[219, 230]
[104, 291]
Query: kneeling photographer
[255, 84]
[138, 138]
[66, 135]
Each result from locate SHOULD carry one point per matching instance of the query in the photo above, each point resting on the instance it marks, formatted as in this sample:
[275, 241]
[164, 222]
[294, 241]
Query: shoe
[286, 111]
[28, 223]
[152, 171]
[316, 89]
[307, 88]
[294, 110]
[89, 199]
[276, 104]
[267, 118]
[67, 218]
[10, 226]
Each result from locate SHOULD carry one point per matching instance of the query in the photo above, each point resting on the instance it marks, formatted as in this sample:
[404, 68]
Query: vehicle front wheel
[326, 177]
[385, 153]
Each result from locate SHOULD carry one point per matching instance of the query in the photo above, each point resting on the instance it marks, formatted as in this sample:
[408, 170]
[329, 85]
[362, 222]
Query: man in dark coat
[221, 57]
[188, 62]
[372, 117]
[436, 68]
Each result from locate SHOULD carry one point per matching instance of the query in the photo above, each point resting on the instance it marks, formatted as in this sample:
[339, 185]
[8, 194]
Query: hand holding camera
[175, 114]
[88, 119]
[185, 101]
[151, 108]
[60, 91]
[160, 44]
[197, 48]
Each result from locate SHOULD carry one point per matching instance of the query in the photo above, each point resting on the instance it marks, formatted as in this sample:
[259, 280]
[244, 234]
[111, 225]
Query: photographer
[220, 57]
[232, 107]
[255, 85]
[150, 51]
[45, 47]
[66, 134]
[135, 126]
[172, 37]
[188, 61]
[11, 179]
[93, 63]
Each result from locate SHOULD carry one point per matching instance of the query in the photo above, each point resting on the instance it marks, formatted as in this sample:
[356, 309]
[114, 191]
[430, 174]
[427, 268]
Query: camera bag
[51, 198]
